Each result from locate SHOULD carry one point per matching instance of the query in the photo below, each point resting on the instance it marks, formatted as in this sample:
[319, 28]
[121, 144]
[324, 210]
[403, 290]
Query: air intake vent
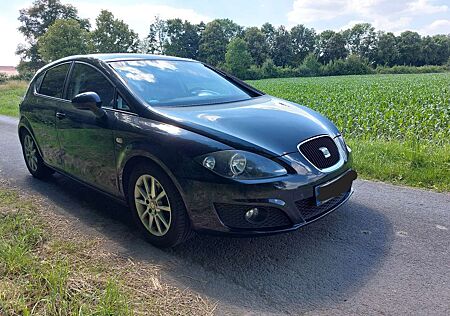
[233, 215]
[321, 151]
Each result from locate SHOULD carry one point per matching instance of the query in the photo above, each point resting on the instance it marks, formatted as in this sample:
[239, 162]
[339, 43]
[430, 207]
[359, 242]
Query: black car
[186, 146]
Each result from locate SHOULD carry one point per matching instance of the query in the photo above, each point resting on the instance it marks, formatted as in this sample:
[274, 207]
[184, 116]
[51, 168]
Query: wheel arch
[144, 157]
[24, 127]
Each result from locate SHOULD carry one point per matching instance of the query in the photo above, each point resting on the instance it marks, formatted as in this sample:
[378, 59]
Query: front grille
[233, 216]
[311, 150]
[309, 210]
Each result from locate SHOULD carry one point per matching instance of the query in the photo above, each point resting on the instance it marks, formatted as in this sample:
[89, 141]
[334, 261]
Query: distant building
[8, 70]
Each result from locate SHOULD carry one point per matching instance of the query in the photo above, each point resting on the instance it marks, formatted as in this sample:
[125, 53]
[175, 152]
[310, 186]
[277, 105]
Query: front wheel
[157, 207]
[33, 159]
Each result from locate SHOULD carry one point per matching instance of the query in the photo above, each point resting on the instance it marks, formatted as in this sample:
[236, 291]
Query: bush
[310, 66]
[3, 78]
[269, 70]
[353, 65]
[411, 69]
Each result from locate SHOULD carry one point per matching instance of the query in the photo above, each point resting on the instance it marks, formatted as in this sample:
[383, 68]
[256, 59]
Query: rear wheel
[33, 159]
[157, 207]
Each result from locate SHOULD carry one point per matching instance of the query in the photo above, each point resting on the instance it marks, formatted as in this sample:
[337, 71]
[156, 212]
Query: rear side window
[86, 79]
[38, 81]
[53, 83]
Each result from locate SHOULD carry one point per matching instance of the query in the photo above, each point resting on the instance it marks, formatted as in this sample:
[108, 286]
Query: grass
[45, 271]
[11, 94]
[425, 166]
[38, 277]
[398, 125]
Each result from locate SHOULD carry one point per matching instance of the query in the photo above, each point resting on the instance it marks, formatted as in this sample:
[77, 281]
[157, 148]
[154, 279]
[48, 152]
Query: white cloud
[436, 27]
[305, 11]
[138, 16]
[383, 14]
[425, 7]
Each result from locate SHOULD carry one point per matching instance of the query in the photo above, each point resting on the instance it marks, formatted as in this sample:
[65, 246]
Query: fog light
[251, 214]
[255, 215]
[209, 162]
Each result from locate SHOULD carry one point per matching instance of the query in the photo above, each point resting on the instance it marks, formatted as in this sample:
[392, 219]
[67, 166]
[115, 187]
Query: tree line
[54, 30]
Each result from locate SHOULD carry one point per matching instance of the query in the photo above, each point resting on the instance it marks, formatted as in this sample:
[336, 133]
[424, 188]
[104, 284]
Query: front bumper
[219, 207]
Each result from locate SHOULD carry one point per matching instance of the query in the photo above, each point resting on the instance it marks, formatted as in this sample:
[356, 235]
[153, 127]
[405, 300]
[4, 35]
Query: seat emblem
[325, 152]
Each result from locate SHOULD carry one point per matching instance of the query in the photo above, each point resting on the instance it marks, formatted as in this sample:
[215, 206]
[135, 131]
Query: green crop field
[397, 125]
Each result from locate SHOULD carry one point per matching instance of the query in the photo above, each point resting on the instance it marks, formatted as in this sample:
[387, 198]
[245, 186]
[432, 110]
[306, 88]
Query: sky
[427, 17]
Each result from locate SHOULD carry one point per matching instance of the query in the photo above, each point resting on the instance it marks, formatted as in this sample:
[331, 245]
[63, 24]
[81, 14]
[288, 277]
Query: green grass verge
[411, 164]
[38, 275]
[11, 94]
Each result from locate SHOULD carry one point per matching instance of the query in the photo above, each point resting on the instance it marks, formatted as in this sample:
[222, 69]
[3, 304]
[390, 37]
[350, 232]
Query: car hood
[264, 124]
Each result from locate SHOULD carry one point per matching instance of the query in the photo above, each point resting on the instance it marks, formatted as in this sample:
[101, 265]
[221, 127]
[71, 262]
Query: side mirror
[89, 101]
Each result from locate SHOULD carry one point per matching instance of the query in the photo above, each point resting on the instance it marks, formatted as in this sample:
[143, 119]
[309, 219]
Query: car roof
[112, 57]
[125, 56]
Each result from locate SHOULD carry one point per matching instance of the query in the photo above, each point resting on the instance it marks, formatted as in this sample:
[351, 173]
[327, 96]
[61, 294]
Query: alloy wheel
[152, 205]
[30, 152]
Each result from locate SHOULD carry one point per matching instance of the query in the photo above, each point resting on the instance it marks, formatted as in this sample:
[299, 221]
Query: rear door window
[53, 83]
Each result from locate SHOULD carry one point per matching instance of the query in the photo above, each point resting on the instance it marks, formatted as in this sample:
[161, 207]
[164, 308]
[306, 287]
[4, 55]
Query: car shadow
[319, 265]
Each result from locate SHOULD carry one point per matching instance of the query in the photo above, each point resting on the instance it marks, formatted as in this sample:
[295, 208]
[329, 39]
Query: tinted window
[38, 81]
[53, 83]
[86, 79]
[122, 104]
[172, 83]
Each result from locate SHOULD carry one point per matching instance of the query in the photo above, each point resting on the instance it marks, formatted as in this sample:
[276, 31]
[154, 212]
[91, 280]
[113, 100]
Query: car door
[41, 111]
[87, 144]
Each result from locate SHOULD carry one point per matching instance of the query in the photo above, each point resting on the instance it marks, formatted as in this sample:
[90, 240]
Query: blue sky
[423, 16]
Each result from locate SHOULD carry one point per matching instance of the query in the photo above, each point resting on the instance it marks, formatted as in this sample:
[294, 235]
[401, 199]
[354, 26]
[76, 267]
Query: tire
[160, 214]
[33, 159]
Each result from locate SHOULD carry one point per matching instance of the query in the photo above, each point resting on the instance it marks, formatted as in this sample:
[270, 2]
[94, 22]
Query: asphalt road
[387, 251]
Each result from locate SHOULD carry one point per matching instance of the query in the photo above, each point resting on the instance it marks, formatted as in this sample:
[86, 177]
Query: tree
[435, 50]
[154, 42]
[269, 32]
[237, 58]
[282, 50]
[361, 40]
[330, 46]
[213, 43]
[303, 42]
[113, 36]
[230, 28]
[409, 44]
[256, 43]
[386, 53]
[182, 39]
[35, 21]
[63, 38]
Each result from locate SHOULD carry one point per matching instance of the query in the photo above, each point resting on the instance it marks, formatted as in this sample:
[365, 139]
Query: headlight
[242, 165]
[344, 146]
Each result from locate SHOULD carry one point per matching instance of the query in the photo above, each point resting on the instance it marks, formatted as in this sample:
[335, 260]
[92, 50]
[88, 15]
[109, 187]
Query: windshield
[177, 83]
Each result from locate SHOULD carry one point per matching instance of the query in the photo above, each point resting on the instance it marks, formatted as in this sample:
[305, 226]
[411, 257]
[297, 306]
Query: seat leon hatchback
[186, 146]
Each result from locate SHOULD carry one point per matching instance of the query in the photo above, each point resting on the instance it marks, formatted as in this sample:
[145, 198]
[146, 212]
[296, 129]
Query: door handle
[60, 115]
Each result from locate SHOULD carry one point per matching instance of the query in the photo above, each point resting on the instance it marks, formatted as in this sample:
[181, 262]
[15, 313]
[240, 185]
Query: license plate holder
[335, 187]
